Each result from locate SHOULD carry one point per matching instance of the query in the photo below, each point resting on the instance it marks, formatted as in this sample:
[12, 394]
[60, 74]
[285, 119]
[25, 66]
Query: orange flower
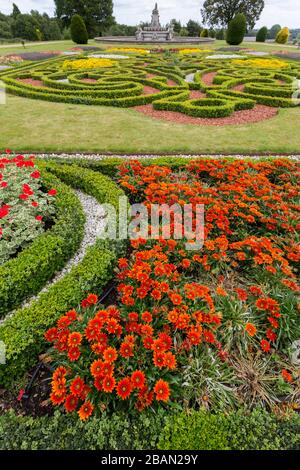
[147, 317]
[92, 299]
[162, 390]
[96, 368]
[126, 350]
[222, 292]
[56, 399]
[287, 376]
[86, 411]
[158, 346]
[138, 379]
[159, 360]
[265, 345]
[109, 384]
[71, 403]
[251, 329]
[124, 388]
[170, 361]
[59, 387]
[110, 355]
[75, 339]
[74, 354]
[59, 373]
[77, 386]
[176, 299]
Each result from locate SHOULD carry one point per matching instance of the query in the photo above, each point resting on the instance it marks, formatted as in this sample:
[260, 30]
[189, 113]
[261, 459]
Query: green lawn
[38, 126]
[66, 45]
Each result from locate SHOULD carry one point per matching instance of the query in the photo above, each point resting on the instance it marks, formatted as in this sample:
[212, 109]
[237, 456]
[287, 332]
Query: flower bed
[26, 209]
[207, 328]
[121, 83]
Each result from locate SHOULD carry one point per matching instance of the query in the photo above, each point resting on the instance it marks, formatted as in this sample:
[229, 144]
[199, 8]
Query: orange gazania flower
[286, 376]
[59, 387]
[265, 345]
[77, 386]
[71, 403]
[86, 411]
[92, 299]
[109, 384]
[124, 388]
[222, 292]
[96, 368]
[162, 390]
[59, 373]
[176, 299]
[251, 329]
[170, 361]
[74, 354]
[138, 379]
[110, 355]
[51, 335]
[74, 339]
[126, 350]
[56, 399]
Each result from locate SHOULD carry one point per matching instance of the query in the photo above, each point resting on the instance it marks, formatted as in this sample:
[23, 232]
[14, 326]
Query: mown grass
[38, 126]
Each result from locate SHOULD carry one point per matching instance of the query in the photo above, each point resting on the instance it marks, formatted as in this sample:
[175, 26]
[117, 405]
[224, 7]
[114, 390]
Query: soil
[149, 90]
[247, 116]
[31, 81]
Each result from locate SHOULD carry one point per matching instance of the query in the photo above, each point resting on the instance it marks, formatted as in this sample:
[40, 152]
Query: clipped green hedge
[26, 274]
[193, 430]
[23, 333]
[259, 430]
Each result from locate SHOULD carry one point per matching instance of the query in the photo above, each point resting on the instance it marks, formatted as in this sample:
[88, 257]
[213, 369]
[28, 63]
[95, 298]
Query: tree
[220, 35]
[79, 32]
[26, 27]
[194, 28]
[204, 33]
[97, 14]
[5, 26]
[236, 30]
[15, 11]
[221, 12]
[262, 34]
[274, 31]
[176, 25]
[283, 36]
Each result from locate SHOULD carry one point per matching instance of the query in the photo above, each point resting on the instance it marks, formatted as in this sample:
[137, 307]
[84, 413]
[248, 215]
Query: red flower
[126, 350]
[251, 329]
[109, 384]
[21, 394]
[51, 335]
[265, 345]
[110, 355]
[77, 386]
[287, 376]
[52, 192]
[176, 299]
[35, 175]
[74, 354]
[56, 399]
[138, 379]
[3, 184]
[96, 368]
[35, 204]
[86, 411]
[71, 403]
[170, 361]
[124, 388]
[92, 299]
[74, 339]
[39, 218]
[162, 390]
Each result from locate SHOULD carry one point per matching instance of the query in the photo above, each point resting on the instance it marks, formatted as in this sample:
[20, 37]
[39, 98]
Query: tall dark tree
[194, 28]
[16, 11]
[97, 14]
[221, 12]
[176, 25]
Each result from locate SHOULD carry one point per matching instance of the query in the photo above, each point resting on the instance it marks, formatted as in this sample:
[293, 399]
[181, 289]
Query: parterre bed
[161, 83]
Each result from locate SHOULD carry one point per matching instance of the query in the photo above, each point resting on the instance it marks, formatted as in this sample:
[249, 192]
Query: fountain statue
[155, 32]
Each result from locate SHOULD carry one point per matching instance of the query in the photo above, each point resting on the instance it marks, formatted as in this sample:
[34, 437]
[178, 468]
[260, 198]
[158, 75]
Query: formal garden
[126, 324]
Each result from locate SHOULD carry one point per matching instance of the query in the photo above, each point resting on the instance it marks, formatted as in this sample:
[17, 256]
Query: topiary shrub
[236, 30]
[204, 33]
[79, 32]
[262, 34]
[283, 36]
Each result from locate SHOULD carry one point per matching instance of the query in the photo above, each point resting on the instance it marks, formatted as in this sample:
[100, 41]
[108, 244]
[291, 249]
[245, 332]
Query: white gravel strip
[94, 226]
[99, 157]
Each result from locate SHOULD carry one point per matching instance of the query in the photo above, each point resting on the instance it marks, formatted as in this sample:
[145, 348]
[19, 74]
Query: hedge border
[26, 274]
[23, 333]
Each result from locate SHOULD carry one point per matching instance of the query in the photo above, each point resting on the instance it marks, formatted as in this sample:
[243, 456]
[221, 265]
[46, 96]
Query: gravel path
[94, 226]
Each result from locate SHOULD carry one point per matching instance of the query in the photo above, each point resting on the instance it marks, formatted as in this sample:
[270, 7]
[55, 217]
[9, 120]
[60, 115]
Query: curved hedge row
[123, 85]
[23, 333]
[26, 274]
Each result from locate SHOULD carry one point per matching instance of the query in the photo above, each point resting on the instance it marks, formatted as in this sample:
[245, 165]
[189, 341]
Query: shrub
[236, 30]
[262, 34]
[283, 36]
[204, 33]
[258, 430]
[79, 32]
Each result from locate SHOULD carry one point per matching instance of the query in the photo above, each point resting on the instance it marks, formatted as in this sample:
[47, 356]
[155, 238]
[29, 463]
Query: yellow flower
[84, 64]
[262, 63]
[128, 50]
[194, 51]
